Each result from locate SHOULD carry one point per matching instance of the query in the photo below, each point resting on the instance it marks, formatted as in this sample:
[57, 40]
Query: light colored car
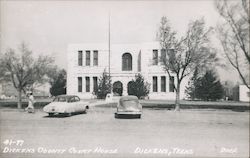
[128, 107]
[66, 104]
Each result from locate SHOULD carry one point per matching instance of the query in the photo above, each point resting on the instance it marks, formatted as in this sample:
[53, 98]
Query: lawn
[165, 104]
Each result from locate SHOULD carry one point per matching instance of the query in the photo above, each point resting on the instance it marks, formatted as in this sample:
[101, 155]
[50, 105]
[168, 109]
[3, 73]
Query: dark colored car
[128, 107]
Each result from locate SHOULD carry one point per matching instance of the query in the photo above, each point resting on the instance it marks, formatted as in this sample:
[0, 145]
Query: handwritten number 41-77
[13, 142]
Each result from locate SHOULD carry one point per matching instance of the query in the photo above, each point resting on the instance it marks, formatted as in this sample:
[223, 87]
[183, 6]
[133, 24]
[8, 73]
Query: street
[163, 133]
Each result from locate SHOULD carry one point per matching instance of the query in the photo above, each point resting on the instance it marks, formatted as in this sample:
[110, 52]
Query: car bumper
[63, 111]
[128, 115]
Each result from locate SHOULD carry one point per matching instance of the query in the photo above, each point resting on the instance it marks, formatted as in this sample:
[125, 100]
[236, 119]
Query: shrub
[209, 87]
[104, 86]
[138, 87]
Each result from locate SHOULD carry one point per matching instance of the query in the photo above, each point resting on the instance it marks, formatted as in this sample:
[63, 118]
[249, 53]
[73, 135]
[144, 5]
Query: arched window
[126, 62]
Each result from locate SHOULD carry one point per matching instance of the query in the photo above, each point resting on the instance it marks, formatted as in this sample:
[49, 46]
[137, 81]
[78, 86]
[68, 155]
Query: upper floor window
[139, 62]
[171, 55]
[87, 58]
[95, 58]
[163, 55]
[155, 57]
[126, 62]
[79, 58]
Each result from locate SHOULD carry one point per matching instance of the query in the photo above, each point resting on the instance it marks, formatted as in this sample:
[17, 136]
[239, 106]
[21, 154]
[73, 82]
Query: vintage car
[128, 107]
[66, 104]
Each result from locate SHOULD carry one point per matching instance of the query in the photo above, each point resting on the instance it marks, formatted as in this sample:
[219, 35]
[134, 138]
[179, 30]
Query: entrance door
[130, 88]
[117, 88]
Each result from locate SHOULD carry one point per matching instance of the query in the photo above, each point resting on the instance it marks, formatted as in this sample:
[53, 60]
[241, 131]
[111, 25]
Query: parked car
[66, 104]
[128, 107]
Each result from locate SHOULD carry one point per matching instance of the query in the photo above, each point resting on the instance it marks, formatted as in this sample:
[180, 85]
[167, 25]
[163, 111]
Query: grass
[157, 104]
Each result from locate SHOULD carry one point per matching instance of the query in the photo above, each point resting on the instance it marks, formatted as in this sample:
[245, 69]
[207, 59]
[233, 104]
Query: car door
[80, 107]
[72, 105]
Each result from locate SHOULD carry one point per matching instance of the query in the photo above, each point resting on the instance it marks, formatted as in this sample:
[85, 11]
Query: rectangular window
[139, 62]
[95, 86]
[79, 58]
[163, 84]
[155, 57]
[79, 84]
[171, 55]
[95, 58]
[155, 84]
[171, 84]
[87, 84]
[163, 56]
[87, 58]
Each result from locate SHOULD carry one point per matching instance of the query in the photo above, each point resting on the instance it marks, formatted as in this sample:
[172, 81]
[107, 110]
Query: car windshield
[130, 104]
[60, 99]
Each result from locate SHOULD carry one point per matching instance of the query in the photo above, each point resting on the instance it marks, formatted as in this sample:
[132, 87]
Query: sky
[49, 26]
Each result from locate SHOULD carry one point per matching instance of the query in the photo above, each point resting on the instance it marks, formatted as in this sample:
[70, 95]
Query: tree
[57, 81]
[138, 87]
[208, 87]
[183, 55]
[104, 86]
[191, 88]
[233, 34]
[23, 70]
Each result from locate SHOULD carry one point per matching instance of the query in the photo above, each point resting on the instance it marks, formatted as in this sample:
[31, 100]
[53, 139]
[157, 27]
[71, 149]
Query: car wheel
[116, 115]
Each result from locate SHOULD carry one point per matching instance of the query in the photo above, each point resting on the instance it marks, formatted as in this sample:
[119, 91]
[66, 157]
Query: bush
[13, 104]
[58, 83]
[209, 87]
[138, 87]
[104, 86]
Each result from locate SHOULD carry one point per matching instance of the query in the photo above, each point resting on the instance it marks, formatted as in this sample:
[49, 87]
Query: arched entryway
[130, 88]
[117, 88]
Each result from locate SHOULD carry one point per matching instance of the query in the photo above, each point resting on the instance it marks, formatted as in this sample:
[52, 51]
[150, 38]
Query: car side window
[61, 99]
[77, 99]
[71, 100]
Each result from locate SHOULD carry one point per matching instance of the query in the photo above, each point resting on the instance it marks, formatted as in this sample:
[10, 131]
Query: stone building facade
[244, 93]
[87, 62]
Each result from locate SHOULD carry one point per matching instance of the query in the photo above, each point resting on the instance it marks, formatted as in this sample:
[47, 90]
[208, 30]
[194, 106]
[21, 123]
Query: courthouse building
[87, 62]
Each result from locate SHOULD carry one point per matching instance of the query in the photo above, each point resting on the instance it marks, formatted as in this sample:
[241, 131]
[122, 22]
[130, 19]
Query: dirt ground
[159, 133]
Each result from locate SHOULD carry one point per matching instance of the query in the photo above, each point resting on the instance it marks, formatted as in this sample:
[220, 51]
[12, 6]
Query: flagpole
[109, 58]
[109, 43]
